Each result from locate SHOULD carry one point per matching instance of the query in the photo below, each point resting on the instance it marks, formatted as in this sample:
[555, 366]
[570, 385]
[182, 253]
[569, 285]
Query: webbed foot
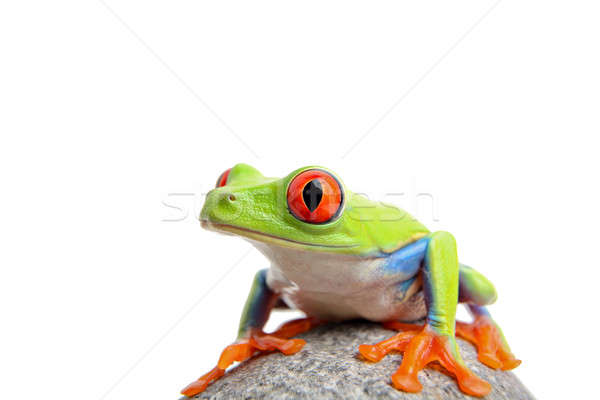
[421, 347]
[256, 341]
[492, 348]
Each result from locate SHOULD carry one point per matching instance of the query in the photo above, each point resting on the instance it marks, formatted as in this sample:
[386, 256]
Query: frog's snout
[221, 206]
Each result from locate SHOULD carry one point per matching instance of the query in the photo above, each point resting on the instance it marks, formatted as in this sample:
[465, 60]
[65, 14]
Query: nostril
[231, 197]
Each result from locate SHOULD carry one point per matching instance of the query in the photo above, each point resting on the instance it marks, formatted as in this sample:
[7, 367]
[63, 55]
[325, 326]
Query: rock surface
[328, 367]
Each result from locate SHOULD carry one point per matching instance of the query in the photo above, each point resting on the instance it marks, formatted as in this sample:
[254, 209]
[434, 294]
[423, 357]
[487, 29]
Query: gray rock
[328, 368]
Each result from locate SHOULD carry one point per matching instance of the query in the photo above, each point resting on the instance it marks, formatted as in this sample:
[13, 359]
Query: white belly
[339, 287]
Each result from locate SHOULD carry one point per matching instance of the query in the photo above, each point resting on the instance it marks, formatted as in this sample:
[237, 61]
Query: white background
[108, 108]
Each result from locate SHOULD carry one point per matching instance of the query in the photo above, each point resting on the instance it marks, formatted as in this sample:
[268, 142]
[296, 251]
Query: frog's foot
[256, 342]
[420, 348]
[492, 348]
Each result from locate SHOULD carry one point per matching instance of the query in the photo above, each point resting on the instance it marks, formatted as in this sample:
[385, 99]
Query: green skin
[255, 207]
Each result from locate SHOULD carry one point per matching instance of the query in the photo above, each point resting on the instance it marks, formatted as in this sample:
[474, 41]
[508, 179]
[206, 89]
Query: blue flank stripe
[405, 262]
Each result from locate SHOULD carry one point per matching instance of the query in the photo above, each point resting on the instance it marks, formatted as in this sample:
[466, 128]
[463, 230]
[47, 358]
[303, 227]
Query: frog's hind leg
[492, 348]
[251, 338]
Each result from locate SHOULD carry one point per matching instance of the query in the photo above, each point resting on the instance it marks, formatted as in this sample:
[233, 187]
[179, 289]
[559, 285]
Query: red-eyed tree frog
[336, 255]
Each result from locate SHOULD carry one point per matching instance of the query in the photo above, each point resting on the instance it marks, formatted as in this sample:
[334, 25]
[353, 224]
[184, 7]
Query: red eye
[222, 181]
[315, 196]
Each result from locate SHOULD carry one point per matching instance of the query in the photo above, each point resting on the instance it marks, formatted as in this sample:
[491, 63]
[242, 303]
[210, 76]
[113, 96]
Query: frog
[336, 255]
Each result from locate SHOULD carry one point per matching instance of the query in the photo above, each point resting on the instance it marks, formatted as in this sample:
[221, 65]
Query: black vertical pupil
[312, 194]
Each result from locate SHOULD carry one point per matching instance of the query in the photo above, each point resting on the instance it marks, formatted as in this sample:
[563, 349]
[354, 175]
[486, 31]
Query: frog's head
[309, 209]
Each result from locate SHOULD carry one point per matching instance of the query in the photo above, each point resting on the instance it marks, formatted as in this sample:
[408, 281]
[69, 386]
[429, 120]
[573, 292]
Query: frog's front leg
[476, 291]
[435, 341]
[251, 338]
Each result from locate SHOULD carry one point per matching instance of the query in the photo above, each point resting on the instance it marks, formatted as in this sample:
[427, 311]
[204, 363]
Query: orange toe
[407, 383]
[489, 359]
[371, 352]
[377, 351]
[200, 385]
[510, 364]
[292, 346]
[474, 386]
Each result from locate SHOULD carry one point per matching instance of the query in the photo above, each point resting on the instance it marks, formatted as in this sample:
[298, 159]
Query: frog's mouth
[265, 237]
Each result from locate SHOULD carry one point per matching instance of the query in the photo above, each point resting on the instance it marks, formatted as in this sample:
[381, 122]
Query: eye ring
[315, 196]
